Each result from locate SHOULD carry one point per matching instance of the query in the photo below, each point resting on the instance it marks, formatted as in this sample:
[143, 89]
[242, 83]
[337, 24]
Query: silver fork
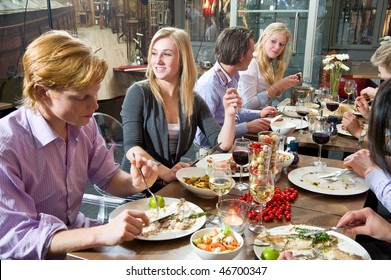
[316, 231]
[316, 252]
[150, 192]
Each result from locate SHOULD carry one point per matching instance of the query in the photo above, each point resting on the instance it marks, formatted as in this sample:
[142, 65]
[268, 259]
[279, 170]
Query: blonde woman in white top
[263, 81]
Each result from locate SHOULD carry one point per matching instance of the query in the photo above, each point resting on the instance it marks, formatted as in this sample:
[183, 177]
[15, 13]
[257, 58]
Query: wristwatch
[362, 136]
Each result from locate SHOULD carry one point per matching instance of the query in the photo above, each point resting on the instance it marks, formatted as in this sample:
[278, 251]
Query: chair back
[111, 130]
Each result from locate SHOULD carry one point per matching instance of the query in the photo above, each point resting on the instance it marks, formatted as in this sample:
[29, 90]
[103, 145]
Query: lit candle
[233, 220]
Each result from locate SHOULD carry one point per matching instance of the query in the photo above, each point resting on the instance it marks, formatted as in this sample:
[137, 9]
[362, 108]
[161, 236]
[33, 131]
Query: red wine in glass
[332, 106]
[320, 138]
[302, 113]
[240, 157]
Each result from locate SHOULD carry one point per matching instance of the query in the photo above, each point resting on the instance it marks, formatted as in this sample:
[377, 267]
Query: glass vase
[335, 79]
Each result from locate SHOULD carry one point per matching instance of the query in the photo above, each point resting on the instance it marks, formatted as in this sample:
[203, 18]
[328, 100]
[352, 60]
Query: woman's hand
[351, 123]
[232, 101]
[361, 104]
[147, 167]
[170, 174]
[360, 163]
[368, 92]
[288, 82]
[372, 224]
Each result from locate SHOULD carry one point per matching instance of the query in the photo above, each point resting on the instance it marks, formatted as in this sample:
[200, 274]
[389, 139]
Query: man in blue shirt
[233, 51]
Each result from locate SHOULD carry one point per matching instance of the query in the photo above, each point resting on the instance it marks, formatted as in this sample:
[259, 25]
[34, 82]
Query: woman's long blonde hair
[188, 70]
[382, 56]
[281, 62]
[58, 61]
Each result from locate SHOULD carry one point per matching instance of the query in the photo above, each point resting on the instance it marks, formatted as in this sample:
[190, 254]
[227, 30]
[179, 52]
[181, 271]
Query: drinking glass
[262, 191]
[350, 89]
[302, 97]
[302, 111]
[332, 102]
[220, 181]
[321, 136]
[324, 92]
[240, 155]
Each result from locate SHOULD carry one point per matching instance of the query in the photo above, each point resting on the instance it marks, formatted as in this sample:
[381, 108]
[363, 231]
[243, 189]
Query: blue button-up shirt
[212, 88]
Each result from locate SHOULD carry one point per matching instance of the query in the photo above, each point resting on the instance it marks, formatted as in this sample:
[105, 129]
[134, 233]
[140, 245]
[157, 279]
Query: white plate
[143, 205]
[290, 111]
[345, 243]
[298, 123]
[219, 157]
[343, 131]
[307, 178]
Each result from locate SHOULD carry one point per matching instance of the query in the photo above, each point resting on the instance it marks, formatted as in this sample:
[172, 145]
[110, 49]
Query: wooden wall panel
[15, 35]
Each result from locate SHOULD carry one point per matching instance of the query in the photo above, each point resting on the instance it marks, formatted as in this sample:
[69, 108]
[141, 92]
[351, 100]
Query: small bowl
[288, 158]
[284, 128]
[194, 172]
[205, 255]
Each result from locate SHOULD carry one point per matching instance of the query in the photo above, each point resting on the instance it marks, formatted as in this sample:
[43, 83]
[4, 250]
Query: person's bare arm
[125, 227]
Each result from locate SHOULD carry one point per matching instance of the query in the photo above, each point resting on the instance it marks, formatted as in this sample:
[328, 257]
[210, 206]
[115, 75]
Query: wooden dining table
[309, 208]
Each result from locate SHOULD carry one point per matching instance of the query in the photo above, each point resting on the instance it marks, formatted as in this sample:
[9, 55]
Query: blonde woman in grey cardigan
[160, 115]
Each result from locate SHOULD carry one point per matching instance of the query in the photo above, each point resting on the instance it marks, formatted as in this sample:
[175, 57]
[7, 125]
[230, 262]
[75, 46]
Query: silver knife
[334, 174]
[211, 151]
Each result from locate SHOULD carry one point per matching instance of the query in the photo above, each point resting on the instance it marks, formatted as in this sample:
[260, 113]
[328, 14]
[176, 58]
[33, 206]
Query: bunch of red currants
[278, 207]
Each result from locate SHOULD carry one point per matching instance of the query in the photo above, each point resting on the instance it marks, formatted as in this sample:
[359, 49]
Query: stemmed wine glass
[240, 155]
[262, 191]
[321, 136]
[350, 88]
[323, 93]
[332, 102]
[220, 181]
[302, 111]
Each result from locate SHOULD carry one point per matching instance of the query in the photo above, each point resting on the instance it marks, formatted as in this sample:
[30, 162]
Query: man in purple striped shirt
[50, 147]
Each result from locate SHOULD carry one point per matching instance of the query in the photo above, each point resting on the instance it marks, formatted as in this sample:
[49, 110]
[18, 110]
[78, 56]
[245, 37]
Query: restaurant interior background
[123, 29]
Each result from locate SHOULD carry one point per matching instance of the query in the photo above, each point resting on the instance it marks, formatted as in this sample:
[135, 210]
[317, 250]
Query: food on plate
[160, 201]
[270, 254]
[320, 246]
[183, 218]
[235, 168]
[221, 240]
[197, 181]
